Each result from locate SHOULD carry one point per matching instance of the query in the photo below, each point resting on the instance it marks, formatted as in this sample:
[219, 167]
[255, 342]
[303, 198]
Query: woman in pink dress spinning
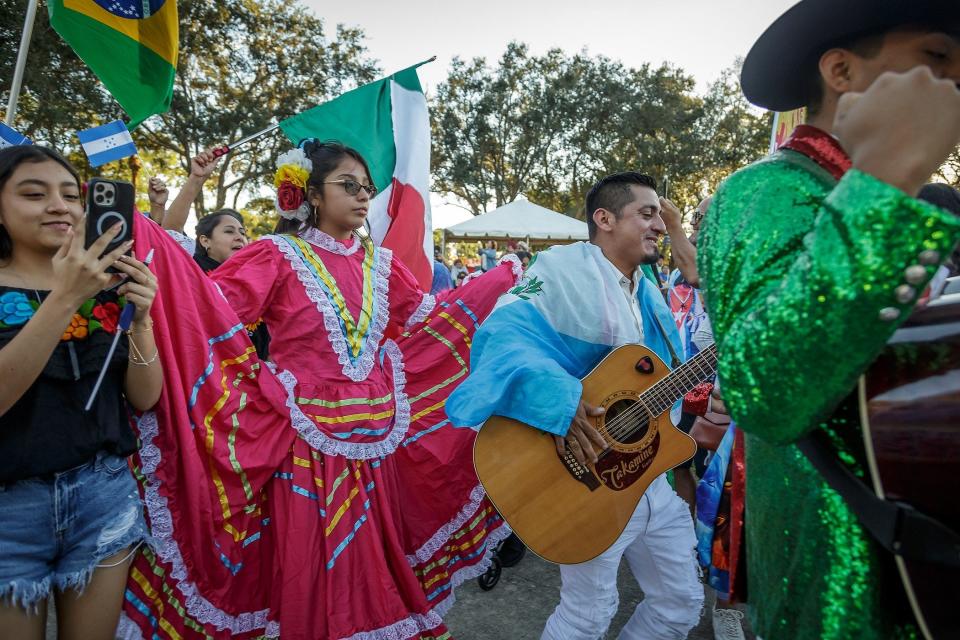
[346, 506]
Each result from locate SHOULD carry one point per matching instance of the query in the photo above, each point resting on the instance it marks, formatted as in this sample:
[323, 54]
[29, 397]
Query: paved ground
[518, 607]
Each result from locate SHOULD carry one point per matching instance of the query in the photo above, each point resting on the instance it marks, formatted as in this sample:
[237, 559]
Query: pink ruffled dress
[329, 497]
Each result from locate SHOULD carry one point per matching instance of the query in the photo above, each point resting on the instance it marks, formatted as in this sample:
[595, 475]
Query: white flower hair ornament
[293, 171]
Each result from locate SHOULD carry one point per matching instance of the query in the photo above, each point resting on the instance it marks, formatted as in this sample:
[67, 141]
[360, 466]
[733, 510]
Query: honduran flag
[388, 123]
[10, 137]
[131, 45]
[106, 143]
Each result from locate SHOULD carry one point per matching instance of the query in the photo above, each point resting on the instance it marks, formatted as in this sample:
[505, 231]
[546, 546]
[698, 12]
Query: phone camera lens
[98, 199]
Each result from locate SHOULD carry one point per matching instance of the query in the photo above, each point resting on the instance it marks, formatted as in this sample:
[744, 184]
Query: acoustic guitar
[910, 412]
[564, 511]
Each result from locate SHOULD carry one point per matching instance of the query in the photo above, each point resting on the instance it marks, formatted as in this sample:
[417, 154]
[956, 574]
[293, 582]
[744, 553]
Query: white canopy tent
[519, 220]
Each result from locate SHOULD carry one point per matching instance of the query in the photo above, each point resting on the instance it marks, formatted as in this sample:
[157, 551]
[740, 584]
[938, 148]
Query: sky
[703, 37]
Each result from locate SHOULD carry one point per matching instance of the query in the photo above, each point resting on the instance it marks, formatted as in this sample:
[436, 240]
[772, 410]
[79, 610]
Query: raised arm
[682, 250]
[799, 315]
[201, 168]
[157, 193]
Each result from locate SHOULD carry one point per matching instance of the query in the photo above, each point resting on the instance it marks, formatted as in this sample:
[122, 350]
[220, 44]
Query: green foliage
[549, 126]
[243, 65]
[259, 217]
[60, 95]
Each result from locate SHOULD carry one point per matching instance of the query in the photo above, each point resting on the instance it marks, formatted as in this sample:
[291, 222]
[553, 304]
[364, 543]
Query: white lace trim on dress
[359, 369]
[354, 450]
[167, 549]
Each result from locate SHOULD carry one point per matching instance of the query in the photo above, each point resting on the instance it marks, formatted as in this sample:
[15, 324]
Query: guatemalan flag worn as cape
[388, 123]
[548, 332]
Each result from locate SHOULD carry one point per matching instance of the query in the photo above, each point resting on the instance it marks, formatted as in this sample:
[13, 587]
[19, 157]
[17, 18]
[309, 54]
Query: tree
[60, 95]
[259, 217]
[734, 133]
[549, 126]
[243, 65]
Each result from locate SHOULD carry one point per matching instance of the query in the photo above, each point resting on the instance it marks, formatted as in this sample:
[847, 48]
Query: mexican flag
[387, 122]
[131, 45]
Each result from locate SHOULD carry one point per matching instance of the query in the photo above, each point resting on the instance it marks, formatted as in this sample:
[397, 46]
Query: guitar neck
[681, 381]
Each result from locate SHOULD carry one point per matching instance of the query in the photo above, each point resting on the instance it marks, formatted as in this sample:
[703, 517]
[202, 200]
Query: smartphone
[109, 202]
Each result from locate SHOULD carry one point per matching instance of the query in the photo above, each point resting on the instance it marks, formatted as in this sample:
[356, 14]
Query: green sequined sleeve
[805, 280]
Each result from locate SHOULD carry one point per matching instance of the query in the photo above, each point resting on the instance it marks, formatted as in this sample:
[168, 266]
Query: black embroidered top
[47, 430]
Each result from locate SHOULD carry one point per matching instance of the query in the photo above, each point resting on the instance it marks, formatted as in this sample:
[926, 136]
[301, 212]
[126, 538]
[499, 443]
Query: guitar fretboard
[680, 381]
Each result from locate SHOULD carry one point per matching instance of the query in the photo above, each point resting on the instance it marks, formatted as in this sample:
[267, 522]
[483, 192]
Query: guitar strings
[623, 424]
[626, 425]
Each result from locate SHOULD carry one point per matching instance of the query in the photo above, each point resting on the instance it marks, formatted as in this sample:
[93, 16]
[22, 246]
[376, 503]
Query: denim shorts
[55, 530]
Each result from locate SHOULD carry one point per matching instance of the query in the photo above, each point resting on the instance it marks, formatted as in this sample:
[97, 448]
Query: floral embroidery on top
[16, 309]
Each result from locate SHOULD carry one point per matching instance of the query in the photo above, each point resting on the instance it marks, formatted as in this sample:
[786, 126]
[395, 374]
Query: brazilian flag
[131, 45]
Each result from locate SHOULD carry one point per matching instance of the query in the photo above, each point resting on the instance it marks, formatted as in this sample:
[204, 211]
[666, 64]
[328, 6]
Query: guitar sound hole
[626, 421]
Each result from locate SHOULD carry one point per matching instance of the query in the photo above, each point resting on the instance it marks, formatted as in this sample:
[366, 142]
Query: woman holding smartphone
[69, 507]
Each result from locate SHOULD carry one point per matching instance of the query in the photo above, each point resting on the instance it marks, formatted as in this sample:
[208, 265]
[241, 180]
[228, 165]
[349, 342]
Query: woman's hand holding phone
[82, 273]
[140, 288]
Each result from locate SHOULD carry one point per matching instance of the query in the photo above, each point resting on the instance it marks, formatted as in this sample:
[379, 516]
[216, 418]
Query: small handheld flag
[11, 137]
[106, 143]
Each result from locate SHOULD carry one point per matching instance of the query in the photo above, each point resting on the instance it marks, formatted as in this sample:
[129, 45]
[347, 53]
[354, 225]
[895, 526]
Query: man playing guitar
[575, 304]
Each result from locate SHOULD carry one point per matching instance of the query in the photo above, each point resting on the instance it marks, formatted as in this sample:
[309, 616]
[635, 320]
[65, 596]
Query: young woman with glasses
[371, 512]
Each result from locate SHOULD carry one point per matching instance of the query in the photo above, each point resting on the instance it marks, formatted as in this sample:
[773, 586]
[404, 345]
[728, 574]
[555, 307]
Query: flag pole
[21, 61]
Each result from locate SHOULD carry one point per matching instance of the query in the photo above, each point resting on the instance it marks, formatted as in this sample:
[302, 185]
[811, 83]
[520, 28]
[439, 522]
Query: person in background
[488, 256]
[157, 193]
[441, 275]
[456, 270]
[663, 270]
[219, 235]
[70, 514]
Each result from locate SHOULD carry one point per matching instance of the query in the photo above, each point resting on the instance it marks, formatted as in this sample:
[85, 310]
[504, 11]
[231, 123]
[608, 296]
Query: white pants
[658, 543]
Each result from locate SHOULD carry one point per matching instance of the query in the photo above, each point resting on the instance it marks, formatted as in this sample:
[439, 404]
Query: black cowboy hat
[778, 70]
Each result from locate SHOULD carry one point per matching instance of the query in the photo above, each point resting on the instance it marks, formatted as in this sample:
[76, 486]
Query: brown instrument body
[910, 408]
[568, 520]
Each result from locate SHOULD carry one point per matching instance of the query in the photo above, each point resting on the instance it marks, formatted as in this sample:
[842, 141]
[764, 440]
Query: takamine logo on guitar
[619, 470]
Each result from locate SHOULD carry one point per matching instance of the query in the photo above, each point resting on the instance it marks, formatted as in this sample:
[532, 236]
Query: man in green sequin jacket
[810, 260]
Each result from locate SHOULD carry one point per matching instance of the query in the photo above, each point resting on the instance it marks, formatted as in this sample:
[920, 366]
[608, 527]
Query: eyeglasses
[352, 187]
[696, 216]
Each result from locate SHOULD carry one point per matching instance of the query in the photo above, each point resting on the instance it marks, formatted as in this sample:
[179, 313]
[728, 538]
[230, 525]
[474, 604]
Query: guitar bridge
[580, 473]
